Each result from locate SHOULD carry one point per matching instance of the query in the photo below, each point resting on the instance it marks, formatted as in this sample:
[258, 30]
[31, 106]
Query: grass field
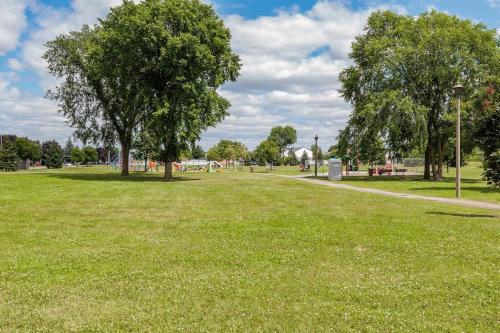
[86, 250]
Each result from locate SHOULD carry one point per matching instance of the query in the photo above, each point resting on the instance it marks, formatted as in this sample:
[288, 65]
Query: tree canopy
[487, 130]
[267, 151]
[283, 136]
[156, 62]
[227, 150]
[401, 82]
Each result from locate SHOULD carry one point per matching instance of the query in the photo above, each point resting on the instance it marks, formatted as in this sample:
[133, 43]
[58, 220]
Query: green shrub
[52, 154]
[8, 157]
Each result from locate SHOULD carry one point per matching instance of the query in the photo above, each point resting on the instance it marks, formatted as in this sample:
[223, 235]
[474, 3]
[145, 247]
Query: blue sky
[292, 53]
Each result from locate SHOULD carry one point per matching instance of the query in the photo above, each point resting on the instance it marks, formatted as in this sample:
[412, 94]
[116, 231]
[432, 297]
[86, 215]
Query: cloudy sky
[292, 53]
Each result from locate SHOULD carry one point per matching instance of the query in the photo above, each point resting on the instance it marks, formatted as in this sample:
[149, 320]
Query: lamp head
[459, 89]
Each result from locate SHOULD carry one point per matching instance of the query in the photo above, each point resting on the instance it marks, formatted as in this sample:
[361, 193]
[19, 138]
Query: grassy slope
[237, 251]
[473, 187]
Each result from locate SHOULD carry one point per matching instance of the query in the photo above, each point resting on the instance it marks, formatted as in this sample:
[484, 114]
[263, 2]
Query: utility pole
[316, 157]
[458, 92]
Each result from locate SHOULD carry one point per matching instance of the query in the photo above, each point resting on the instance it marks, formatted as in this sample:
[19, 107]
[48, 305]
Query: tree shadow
[107, 177]
[384, 178]
[465, 215]
[484, 189]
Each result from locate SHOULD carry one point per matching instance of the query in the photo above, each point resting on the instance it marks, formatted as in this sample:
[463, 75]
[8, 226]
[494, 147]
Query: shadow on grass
[117, 178]
[484, 189]
[395, 178]
[464, 215]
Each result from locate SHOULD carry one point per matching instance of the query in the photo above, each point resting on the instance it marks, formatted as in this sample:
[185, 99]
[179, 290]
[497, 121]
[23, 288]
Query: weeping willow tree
[401, 82]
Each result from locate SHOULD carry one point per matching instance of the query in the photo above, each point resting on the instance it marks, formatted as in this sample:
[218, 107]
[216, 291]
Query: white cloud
[282, 82]
[27, 115]
[291, 63]
[12, 23]
[14, 64]
[494, 3]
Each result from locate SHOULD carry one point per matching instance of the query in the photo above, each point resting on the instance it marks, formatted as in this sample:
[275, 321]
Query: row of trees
[401, 88]
[14, 150]
[271, 150]
[153, 66]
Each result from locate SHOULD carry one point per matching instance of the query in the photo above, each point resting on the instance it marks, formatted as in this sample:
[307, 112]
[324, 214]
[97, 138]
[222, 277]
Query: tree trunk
[169, 168]
[442, 147]
[125, 153]
[427, 163]
[433, 164]
[145, 164]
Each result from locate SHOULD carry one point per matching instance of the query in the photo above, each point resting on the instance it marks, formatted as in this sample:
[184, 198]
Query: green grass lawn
[86, 250]
[473, 186]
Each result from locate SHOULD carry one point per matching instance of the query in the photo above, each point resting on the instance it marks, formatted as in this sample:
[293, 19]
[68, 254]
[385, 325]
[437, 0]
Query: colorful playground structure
[183, 166]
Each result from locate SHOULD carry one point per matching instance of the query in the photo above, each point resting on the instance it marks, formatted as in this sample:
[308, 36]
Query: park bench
[403, 171]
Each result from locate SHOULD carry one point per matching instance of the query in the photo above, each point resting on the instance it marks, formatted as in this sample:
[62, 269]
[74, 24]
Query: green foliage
[320, 155]
[267, 151]
[77, 155]
[283, 136]
[145, 146]
[488, 132]
[197, 152]
[68, 147]
[402, 77]
[52, 154]
[27, 149]
[304, 158]
[89, 155]
[227, 150]
[8, 156]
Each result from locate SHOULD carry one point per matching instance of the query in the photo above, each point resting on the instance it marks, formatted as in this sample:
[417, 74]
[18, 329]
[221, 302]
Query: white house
[298, 152]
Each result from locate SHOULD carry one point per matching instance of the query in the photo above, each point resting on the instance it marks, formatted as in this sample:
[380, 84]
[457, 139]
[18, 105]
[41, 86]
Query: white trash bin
[334, 169]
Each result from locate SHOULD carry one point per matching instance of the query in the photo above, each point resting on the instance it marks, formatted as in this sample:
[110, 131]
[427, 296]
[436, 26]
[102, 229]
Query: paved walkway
[459, 202]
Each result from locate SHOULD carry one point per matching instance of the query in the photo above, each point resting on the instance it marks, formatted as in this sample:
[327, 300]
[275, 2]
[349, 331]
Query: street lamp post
[316, 157]
[458, 92]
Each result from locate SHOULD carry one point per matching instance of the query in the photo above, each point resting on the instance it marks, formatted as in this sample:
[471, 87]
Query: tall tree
[283, 136]
[402, 77]
[227, 150]
[189, 57]
[27, 149]
[68, 147]
[52, 154]
[197, 152]
[8, 156]
[267, 151]
[102, 73]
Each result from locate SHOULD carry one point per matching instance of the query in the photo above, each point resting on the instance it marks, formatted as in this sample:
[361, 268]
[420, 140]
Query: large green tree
[52, 154]
[189, 57]
[283, 136]
[401, 81]
[227, 150]
[102, 73]
[8, 156]
[27, 149]
[267, 151]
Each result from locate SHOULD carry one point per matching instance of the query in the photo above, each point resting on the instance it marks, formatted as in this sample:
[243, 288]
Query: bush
[8, 157]
[52, 154]
[89, 155]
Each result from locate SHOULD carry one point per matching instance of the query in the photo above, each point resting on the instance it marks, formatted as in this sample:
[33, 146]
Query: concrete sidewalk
[451, 201]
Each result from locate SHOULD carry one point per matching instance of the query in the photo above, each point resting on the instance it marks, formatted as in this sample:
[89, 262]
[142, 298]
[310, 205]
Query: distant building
[298, 152]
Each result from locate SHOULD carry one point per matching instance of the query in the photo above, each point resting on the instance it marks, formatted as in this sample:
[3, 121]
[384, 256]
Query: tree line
[400, 85]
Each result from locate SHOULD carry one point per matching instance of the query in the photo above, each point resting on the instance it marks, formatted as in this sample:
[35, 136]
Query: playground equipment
[198, 166]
